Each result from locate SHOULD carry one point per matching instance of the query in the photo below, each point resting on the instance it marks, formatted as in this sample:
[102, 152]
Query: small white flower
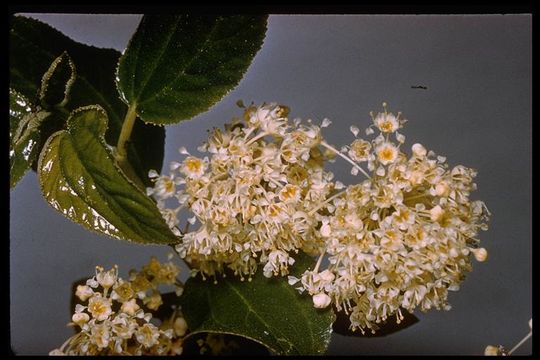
[130, 307]
[290, 193]
[193, 167]
[278, 262]
[387, 153]
[147, 335]
[100, 335]
[84, 292]
[99, 307]
[164, 187]
[124, 326]
[106, 278]
[354, 130]
[154, 301]
[359, 150]
[386, 122]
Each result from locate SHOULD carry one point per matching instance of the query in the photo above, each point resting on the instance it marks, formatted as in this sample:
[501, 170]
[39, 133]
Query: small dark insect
[419, 87]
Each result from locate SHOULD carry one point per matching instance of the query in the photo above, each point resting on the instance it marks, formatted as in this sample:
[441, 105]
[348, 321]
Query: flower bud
[326, 230]
[180, 326]
[84, 292]
[80, 318]
[320, 301]
[480, 254]
[492, 351]
[436, 213]
[419, 150]
[442, 189]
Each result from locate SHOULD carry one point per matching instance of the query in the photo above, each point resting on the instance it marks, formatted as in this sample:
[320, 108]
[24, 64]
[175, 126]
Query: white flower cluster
[400, 239]
[113, 321]
[253, 195]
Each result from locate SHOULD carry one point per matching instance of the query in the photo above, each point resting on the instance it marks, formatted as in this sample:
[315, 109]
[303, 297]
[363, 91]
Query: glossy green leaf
[35, 45]
[269, 311]
[177, 66]
[23, 135]
[79, 178]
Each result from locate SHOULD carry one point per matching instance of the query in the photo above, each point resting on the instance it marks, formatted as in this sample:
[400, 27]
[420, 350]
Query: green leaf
[79, 178]
[23, 135]
[35, 45]
[268, 311]
[57, 81]
[177, 66]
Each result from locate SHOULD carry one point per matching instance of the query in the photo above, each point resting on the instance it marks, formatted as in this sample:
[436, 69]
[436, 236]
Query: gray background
[476, 111]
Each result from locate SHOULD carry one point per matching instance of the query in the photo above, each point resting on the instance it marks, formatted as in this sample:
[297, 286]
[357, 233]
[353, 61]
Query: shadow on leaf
[342, 325]
[222, 344]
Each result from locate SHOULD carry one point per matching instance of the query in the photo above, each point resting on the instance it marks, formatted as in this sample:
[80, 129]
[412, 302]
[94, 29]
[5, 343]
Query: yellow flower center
[193, 165]
[273, 210]
[124, 291]
[391, 235]
[386, 126]
[299, 138]
[387, 154]
[360, 149]
[99, 308]
[169, 186]
[289, 192]
[403, 215]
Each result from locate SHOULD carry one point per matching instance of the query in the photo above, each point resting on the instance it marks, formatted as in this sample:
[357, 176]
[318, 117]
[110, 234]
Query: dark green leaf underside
[177, 66]
[268, 311]
[79, 178]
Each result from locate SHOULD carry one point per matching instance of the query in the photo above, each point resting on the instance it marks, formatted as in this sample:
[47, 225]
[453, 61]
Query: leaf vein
[183, 71]
[244, 300]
